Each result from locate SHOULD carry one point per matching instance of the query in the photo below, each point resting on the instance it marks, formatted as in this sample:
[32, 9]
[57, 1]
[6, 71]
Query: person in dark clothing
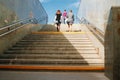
[58, 19]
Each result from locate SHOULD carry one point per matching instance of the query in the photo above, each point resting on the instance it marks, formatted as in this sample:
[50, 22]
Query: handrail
[11, 31]
[96, 31]
[13, 24]
[12, 27]
[7, 30]
[83, 20]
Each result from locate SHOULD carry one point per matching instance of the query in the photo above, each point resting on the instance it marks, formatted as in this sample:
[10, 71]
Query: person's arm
[55, 21]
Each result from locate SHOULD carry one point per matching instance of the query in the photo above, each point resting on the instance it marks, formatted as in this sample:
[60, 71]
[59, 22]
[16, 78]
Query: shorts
[69, 22]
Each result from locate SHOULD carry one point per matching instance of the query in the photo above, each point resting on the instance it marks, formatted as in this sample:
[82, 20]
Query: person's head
[65, 10]
[58, 12]
[70, 10]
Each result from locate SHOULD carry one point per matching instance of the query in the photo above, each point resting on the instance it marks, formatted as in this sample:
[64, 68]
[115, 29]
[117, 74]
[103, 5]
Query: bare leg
[58, 27]
[70, 27]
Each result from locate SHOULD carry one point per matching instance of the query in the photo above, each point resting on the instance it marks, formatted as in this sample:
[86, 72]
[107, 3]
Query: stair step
[47, 56]
[58, 33]
[50, 52]
[51, 48]
[54, 43]
[30, 45]
[57, 36]
[60, 50]
[52, 61]
[54, 40]
[43, 53]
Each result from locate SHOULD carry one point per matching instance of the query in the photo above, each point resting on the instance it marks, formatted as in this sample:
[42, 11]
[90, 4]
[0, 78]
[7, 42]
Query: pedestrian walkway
[75, 28]
[19, 75]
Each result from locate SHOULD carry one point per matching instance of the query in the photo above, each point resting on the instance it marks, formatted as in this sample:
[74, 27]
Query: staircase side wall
[9, 40]
[96, 12]
[14, 10]
[112, 45]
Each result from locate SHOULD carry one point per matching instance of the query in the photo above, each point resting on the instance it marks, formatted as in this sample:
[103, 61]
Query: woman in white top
[70, 20]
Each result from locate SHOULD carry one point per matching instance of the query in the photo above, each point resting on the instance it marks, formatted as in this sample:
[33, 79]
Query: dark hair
[58, 12]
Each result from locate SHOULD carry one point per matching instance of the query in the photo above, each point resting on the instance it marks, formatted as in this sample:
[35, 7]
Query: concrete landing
[19, 75]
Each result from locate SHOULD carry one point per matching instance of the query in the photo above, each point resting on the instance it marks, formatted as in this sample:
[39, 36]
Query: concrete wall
[13, 10]
[9, 40]
[112, 45]
[96, 12]
[105, 15]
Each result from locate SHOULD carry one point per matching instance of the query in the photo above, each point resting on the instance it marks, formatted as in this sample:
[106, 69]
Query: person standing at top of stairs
[58, 19]
[70, 20]
[64, 16]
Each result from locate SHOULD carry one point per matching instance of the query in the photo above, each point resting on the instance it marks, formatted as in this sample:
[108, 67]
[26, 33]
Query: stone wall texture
[112, 45]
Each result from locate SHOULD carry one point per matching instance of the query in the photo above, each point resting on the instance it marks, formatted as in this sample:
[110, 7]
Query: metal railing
[14, 26]
[18, 24]
[83, 21]
[97, 32]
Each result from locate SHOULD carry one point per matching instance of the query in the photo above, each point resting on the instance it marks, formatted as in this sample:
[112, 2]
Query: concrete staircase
[53, 51]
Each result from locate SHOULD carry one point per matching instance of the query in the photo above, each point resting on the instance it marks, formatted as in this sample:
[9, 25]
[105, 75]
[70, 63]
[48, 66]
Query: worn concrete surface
[19, 75]
[41, 75]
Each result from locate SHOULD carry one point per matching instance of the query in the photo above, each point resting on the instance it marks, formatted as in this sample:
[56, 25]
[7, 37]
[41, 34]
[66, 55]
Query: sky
[51, 6]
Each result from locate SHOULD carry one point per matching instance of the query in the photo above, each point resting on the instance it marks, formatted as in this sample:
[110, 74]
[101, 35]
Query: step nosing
[71, 68]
